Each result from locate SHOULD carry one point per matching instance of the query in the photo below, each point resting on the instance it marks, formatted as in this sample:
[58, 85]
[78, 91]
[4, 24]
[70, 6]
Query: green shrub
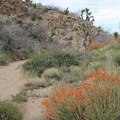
[9, 111]
[99, 58]
[55, 58]
[52, 73]
[96, 65]
[116, 35]
[34, 5]
[20, 97]
[15, 56]
[116, 58]
[75, 69]
[107, 108]
[70, 78]
[115, 47]
[54, 8]
[2, 62]
[104, 49]
[28, 0]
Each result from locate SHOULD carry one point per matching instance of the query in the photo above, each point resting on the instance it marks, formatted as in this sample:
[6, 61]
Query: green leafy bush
[55, 58]
[100, 57]
[9, 111]
[20, 97]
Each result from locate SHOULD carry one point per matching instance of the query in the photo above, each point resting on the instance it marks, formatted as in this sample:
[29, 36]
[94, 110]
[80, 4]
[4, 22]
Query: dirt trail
[12, 82]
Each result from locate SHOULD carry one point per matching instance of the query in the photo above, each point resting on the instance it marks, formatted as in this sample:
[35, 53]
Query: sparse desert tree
[85, 22]
[116, 35]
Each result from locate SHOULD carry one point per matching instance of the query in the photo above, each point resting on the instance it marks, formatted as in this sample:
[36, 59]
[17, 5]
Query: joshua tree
[86, 25]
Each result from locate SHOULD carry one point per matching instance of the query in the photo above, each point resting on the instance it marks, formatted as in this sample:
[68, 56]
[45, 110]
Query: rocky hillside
[27, 26]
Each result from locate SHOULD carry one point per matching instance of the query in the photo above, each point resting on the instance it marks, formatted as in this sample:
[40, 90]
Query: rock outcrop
[10, 7]
[26, 26]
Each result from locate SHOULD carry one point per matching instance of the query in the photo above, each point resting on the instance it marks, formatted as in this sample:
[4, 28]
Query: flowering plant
[98, 98]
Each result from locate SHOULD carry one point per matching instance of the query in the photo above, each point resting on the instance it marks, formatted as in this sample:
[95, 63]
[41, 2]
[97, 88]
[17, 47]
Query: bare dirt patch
[12, 82]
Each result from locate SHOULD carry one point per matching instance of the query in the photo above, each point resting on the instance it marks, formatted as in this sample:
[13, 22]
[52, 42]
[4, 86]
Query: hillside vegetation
[97, 96]
[25, 26]
[65, 52]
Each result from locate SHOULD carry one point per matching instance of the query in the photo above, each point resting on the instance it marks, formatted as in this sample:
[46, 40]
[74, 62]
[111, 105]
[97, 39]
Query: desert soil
[12, 82]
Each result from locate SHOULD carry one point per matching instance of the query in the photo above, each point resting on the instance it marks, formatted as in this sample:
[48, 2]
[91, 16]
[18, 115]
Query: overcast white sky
[105, 12]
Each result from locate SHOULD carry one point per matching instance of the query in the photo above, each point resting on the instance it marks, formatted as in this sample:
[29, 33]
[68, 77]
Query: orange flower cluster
[94, 45]
[68, 97]
[104, 77]
[97, 83]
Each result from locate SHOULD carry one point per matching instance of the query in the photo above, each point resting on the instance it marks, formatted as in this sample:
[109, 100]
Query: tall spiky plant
[86, 25]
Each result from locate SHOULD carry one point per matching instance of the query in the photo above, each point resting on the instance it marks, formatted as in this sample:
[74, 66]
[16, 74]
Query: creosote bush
[8, 111]
[98, 98]
[54, 58]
